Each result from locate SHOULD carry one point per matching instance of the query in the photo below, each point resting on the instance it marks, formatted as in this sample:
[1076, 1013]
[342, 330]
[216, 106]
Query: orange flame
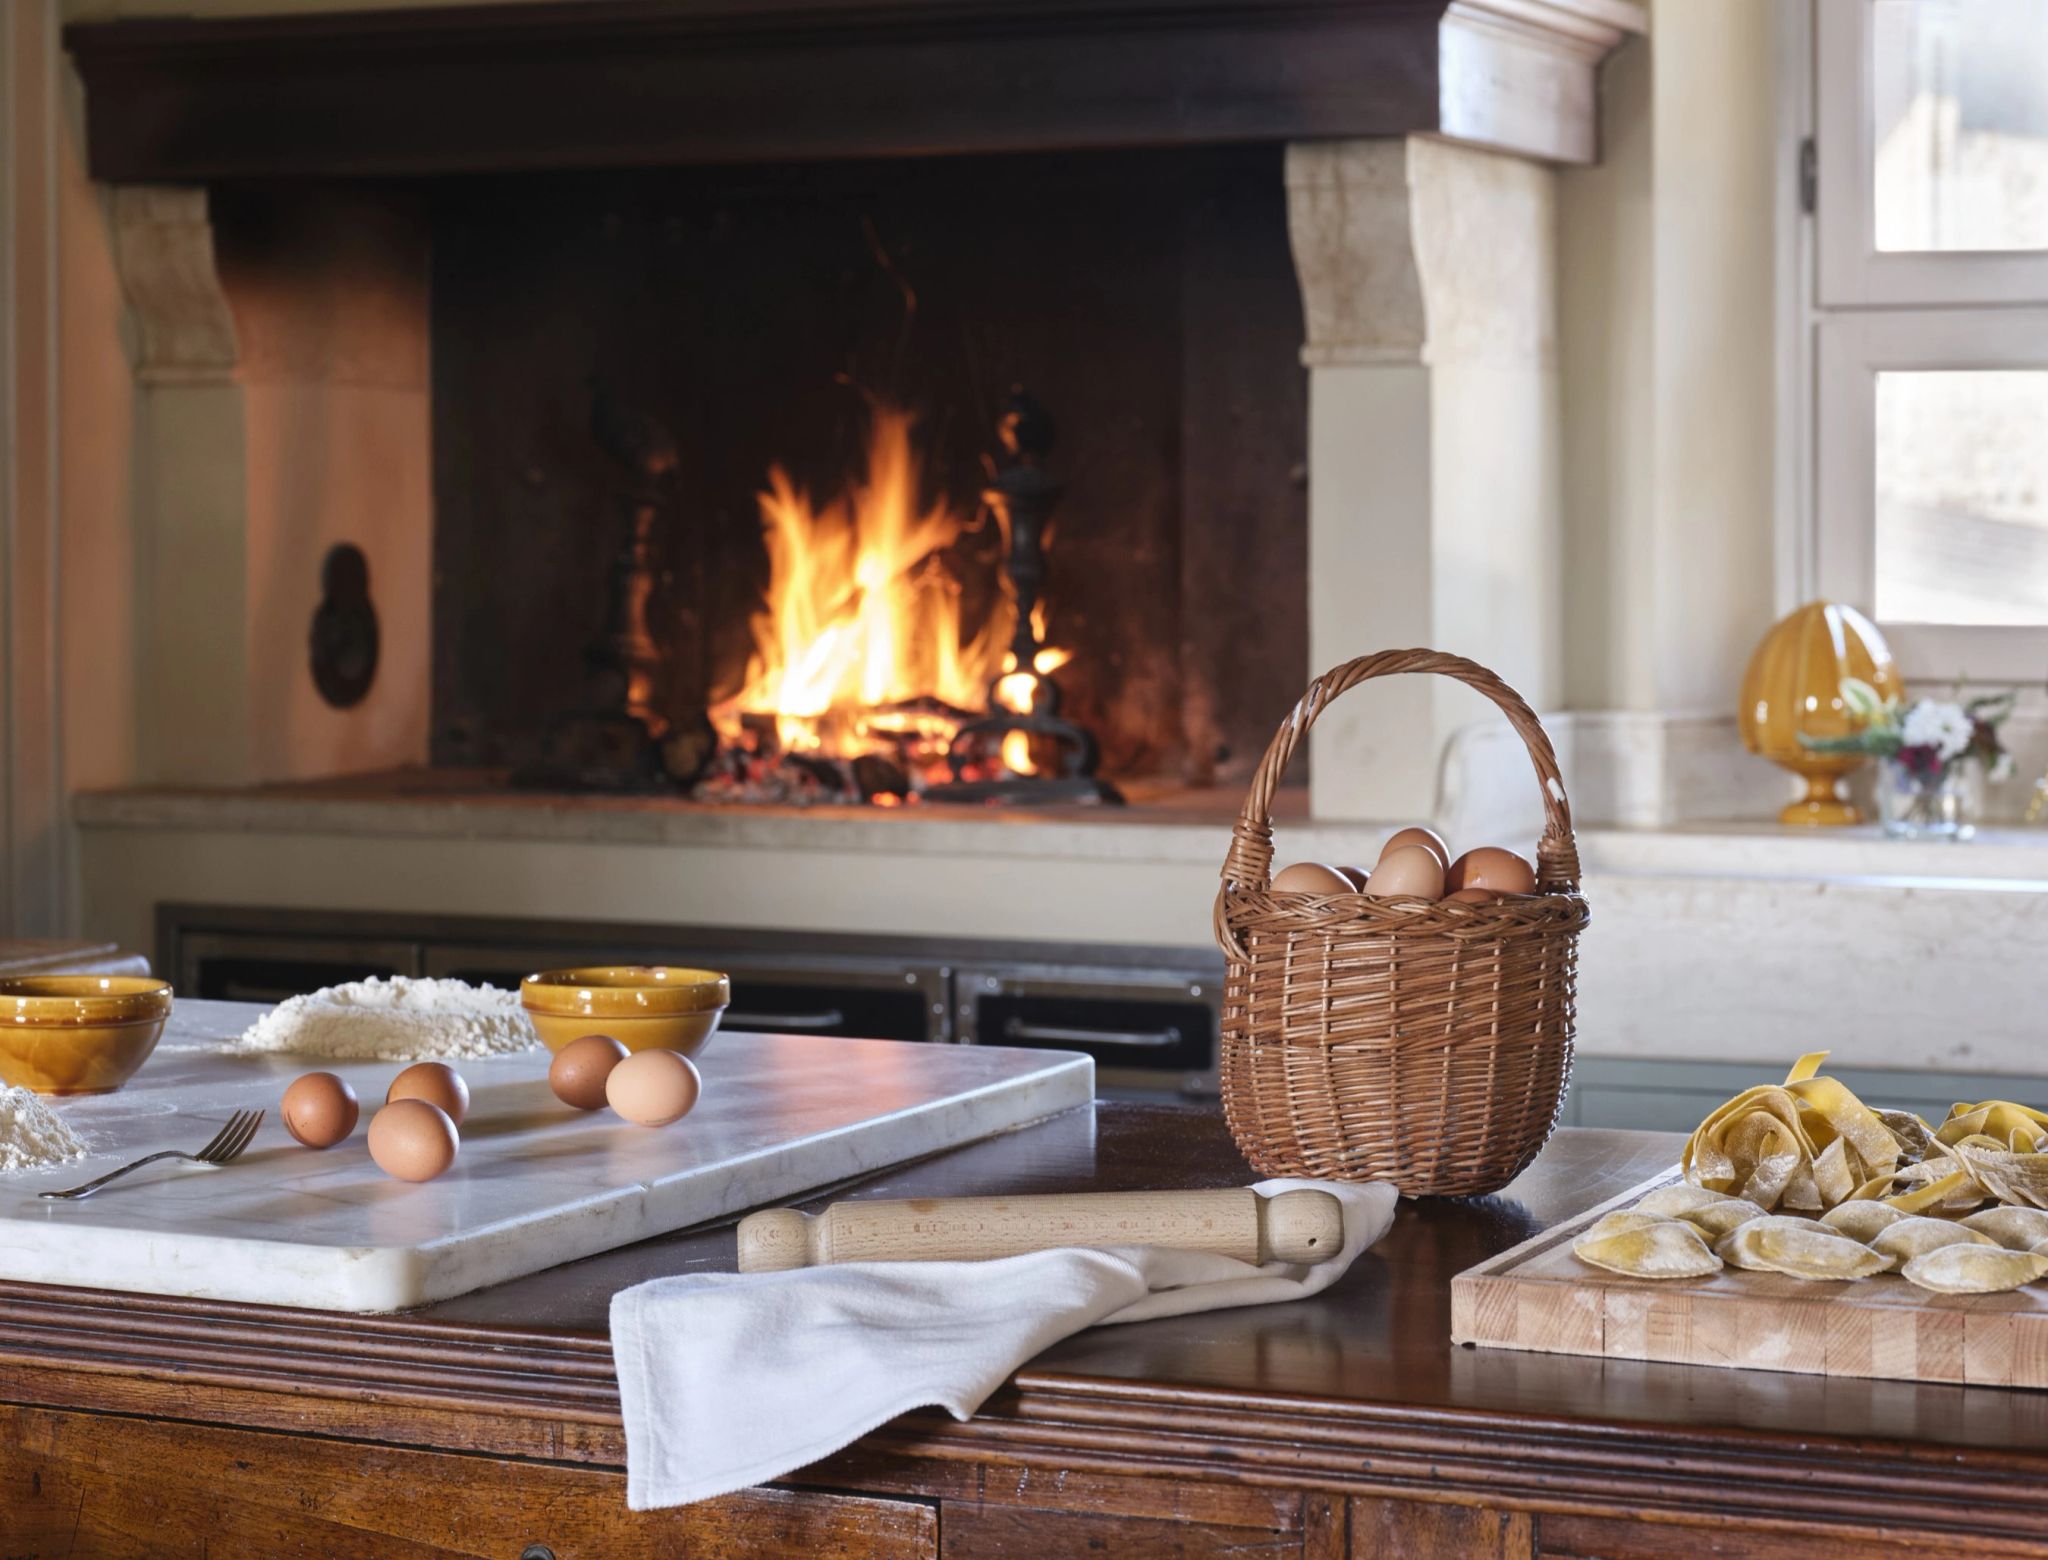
[862, 620]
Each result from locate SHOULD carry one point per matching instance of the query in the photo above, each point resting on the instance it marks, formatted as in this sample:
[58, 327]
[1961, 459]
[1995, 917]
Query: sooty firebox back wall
[1147, 299]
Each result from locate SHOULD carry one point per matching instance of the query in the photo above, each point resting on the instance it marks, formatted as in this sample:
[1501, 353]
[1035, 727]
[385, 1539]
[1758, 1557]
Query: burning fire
[860, 646]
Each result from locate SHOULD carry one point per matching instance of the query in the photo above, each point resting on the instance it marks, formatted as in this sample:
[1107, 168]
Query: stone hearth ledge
[1173, 827]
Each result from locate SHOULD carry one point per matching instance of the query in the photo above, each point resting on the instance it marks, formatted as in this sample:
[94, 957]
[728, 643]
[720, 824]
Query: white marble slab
[536, 1184]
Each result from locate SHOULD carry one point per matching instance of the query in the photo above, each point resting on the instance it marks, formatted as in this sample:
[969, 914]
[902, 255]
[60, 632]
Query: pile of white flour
[395, 1020]
[33, 1135]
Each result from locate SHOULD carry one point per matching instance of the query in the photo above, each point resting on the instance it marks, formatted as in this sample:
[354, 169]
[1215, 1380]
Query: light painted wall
[32, 867]
[1715, 367]
[97, 407]
[1669, 361]
[1605, 297]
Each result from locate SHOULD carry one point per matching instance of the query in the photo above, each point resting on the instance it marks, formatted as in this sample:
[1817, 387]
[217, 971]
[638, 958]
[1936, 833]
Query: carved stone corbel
[1354, 253]
[1421, 251]
[180, 329]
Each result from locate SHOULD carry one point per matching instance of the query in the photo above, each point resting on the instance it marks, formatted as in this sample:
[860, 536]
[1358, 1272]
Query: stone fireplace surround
[282, 411]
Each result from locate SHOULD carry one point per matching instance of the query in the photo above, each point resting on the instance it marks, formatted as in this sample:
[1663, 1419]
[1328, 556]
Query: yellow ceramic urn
[1794, 687]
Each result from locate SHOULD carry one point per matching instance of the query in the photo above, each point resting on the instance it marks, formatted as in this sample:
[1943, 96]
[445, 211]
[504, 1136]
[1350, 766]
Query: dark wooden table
[1342, 1426]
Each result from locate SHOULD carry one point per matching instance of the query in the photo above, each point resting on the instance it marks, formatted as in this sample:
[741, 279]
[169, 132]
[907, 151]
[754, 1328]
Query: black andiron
[621, 740]
[1024, 494]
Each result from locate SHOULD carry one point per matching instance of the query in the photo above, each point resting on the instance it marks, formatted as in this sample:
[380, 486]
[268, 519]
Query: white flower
[1943, 727]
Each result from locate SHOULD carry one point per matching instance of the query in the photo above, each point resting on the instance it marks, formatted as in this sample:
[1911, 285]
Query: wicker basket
[1406, 1040]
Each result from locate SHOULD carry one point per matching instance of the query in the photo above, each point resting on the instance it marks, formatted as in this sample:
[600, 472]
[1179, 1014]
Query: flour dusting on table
[395, 1020]
[32, 1135]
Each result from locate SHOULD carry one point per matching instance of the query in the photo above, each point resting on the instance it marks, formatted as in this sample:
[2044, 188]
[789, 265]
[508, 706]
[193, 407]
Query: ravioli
[1716, 1219]
[1916, 1235]
[1975, 1270]
[1803, 1248]
[2016, 1229]
[1641, 1246]
[1861, 1218]
[1677, 1200]
[1739, 1248]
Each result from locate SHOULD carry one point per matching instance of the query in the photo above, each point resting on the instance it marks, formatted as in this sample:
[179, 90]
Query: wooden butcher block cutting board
[1539, 1296]
[536, 1183]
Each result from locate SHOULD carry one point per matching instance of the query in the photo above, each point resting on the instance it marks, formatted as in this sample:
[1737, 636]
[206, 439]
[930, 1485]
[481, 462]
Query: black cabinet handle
[1053, 1034]
[831, 1018]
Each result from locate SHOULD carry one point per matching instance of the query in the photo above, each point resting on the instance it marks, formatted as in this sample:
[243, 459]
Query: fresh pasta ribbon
[1808, 1143]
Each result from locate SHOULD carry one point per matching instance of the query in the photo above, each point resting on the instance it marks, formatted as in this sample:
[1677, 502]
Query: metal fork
[225, 1149]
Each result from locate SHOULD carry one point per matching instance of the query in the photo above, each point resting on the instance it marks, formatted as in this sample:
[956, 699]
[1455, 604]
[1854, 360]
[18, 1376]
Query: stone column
[191, 491]
[1428, 285]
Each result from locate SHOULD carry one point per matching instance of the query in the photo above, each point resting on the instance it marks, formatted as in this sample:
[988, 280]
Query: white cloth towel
[731, 1379]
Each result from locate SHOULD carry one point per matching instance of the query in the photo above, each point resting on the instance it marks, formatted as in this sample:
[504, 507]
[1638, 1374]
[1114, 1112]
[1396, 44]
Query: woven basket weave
[1406, 1040]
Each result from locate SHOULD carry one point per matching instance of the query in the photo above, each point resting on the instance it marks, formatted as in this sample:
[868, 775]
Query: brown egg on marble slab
[435, 1082]
[653, 1088]
[413, 1140]
[580, 1068]
[319, 1109]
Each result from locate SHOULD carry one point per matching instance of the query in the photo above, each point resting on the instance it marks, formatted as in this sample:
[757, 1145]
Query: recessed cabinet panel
[1146, 1028]
[240, 967]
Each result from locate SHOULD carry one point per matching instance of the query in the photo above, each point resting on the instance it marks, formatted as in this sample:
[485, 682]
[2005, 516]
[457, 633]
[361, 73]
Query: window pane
[1960, 102]
[1962, 497]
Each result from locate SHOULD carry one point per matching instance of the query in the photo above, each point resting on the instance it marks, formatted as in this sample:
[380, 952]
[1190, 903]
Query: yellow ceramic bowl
[79, 1034]
[646, 1007]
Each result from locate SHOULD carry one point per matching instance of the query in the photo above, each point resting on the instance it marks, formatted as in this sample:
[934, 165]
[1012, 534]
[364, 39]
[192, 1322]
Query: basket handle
[1250, 862]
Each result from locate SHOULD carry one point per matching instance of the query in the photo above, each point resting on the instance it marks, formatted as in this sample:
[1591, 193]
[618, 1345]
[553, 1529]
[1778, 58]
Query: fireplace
[502, 354]
[797, 378]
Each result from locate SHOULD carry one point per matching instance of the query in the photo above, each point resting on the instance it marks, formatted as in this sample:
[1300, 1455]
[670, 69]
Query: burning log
[863, 686]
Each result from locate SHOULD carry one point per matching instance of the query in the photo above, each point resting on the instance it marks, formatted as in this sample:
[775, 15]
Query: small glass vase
[1921, 804]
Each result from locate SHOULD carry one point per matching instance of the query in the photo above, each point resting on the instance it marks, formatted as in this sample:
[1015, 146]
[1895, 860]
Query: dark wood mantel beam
[615, 83]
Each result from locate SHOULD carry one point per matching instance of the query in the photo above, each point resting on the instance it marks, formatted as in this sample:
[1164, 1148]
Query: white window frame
[1854, 272]
[1854, 346]
[1854, 311]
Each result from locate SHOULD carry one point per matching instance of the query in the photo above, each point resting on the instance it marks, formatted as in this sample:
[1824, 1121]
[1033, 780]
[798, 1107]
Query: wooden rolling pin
[1300, 1226]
